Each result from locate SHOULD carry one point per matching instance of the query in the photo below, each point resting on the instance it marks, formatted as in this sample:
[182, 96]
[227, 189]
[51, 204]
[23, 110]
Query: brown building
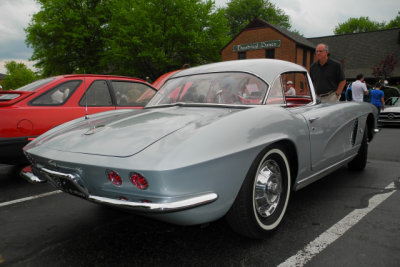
[259, 39]
[358, 52]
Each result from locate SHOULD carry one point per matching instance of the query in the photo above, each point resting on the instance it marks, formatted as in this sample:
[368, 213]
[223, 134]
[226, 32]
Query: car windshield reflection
[393, 102]
[215, 88]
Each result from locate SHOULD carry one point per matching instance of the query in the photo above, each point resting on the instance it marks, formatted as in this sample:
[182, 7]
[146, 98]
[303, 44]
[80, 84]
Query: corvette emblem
[94, 129]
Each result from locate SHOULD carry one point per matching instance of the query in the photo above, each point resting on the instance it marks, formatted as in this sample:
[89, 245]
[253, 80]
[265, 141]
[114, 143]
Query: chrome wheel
[268, 188]
[264, 196]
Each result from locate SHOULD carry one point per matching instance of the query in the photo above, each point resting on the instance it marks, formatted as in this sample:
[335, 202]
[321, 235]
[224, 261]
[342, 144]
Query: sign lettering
[258, 45]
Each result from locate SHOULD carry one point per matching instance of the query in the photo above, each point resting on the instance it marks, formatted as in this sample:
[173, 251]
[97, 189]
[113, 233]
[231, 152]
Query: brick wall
[288, 50]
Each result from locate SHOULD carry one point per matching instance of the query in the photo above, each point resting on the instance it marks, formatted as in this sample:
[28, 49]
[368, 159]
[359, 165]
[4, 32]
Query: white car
[391, 114]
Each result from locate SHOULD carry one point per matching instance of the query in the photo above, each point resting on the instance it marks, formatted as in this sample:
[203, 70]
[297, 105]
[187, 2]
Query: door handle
[311, 120]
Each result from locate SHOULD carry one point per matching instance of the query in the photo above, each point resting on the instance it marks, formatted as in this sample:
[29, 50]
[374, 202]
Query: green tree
[125, 37]
[151, 37]
[357, 25]
[17, 75]
[394, 23]
[240, 12]
[68, 35]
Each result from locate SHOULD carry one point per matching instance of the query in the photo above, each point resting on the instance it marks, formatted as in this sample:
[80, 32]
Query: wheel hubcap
[268, 188]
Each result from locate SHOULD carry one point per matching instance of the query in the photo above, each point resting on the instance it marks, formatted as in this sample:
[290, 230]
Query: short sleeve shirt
[291, 91]
[326, 78]
[357, 91]
[376, 96]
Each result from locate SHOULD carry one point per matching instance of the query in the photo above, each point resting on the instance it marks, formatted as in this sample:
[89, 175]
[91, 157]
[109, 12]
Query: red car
[31, 110]
[163, 78]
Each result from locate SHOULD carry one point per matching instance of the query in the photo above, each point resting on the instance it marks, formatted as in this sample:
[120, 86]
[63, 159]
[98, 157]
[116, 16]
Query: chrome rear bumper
[70, 183]
[157, 207]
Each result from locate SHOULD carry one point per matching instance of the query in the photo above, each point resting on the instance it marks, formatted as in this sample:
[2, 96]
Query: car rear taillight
[138, 180]
[114, 177]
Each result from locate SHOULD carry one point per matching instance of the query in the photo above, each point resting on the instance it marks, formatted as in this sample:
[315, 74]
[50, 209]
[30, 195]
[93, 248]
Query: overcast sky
[312, 18]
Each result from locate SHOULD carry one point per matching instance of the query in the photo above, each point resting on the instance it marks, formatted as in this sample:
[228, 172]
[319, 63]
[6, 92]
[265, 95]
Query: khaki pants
[333, 98]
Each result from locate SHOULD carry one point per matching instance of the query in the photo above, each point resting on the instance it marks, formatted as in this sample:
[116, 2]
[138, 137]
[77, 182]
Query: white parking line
[336, 231]
[29, 198]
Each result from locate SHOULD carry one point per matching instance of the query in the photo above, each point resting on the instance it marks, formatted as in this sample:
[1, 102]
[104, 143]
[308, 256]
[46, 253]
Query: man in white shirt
[359, 89]
[290, 89]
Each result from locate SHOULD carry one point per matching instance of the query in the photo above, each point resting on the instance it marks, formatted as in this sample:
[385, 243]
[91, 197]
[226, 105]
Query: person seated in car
[229, 91]
[290, 91]
[60, 95]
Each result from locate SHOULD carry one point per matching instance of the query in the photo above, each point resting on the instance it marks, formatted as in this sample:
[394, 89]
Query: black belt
[323, 95]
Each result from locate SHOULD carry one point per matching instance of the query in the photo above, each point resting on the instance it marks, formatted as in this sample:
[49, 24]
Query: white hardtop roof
[267, 69]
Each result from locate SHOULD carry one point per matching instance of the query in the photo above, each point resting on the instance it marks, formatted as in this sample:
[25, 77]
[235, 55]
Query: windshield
[29, 87]
[212, 88]
[393, 101]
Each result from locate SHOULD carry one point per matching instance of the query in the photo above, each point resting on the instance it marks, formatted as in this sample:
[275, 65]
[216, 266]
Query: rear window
[212, 88]
[29, 87]
[35, 85]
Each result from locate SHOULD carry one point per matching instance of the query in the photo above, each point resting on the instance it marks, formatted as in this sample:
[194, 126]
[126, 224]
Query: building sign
[256, 46]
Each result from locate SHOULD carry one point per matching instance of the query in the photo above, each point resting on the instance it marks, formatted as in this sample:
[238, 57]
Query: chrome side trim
[308, 180]
[157, 207]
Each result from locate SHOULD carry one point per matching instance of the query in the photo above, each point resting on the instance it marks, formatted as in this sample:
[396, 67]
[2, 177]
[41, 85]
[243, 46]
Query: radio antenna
[86, 95]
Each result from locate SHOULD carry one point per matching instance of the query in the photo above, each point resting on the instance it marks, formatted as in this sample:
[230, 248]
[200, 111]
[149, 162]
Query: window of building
[242, 55]
[304, 57]
[270, 53]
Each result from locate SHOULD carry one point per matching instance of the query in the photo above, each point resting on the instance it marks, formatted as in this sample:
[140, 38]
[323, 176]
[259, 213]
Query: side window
[242, 55]
[58, 95]
[304, 57]
[297, 90]
[131, 94]
[97, 95]
[275, 95]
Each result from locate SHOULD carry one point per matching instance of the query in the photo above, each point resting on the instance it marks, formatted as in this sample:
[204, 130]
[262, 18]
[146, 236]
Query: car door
[52, 107]
[64, 102]
[327, 134]
[324, 121]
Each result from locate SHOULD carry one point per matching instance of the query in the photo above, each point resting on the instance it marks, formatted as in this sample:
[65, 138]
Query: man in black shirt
[327, 75]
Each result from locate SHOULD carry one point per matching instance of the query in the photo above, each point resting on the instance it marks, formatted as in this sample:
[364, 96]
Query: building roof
[259, 23]
[361, 51]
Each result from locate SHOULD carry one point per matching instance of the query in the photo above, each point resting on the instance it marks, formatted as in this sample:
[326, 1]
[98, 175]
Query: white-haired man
[327, 75]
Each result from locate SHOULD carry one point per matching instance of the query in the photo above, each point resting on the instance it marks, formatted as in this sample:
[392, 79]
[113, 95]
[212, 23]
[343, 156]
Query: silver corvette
[217, 140]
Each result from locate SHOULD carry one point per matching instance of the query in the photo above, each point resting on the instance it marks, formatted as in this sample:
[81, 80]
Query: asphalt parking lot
[345, 219]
